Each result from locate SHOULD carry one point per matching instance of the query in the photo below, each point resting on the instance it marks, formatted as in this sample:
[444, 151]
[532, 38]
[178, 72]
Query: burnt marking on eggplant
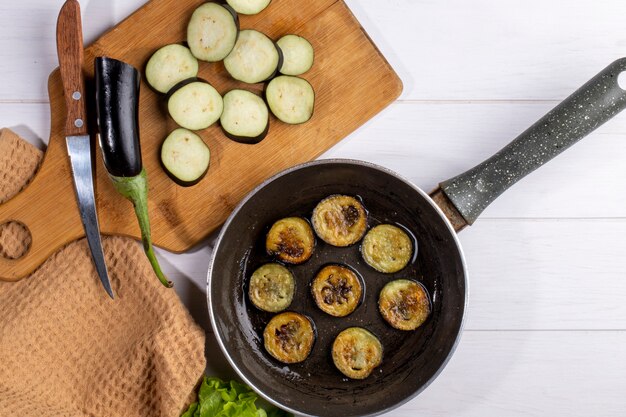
[350, 215]
[285, 334]
[290, 244]
[336, 292]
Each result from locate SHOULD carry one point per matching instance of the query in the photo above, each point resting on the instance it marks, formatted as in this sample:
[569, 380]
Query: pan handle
[578, 115]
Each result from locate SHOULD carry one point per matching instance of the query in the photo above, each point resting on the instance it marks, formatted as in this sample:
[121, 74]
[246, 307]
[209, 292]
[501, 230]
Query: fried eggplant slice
[340, 220]
[271, 288]
[337, 290]
[404, 304]
[291, 240]
[289, 337]
[387, 248]
[356, 352]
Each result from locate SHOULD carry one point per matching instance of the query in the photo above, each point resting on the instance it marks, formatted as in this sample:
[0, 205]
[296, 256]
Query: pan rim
[287, 171]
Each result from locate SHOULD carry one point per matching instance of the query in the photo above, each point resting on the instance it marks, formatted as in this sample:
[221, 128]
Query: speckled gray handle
[578, 115]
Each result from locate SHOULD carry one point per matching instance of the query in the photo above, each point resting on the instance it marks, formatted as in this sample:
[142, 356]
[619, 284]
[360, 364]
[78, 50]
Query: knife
[70, 52]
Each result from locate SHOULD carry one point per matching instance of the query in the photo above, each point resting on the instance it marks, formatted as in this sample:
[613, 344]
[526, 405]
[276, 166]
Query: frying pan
[411, 359]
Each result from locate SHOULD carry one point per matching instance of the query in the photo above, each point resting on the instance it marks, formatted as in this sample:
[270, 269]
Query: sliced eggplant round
[340, 220]
[356, 352]
[387, 248]
[289, 337]
[245, 118]
[290, 240]
[169, 66]
[337, 290]
[212, 32]
[404, 304]
[271, 288]
[185, 157]
[195, 105]
[298, 55]
[291, 99]
[248, 7]
[254, 59]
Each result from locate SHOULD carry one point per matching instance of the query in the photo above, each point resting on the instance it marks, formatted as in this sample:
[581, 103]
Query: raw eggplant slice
[169, 66]
[255, 58]
[185, 157]
[195, 105]
[212, 32]
[291, 99]
[245, 117]
[298, 55]
[248, 7]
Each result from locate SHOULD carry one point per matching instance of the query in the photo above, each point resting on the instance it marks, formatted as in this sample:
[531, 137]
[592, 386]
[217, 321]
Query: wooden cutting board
[352, 80]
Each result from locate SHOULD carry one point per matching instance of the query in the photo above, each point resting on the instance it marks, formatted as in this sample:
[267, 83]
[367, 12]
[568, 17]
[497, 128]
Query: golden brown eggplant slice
[356, 352]
[291, 240]
[387, 248]
[271, 288]
[289, 337]
[337, 290]
[340, 220]
[404, 304]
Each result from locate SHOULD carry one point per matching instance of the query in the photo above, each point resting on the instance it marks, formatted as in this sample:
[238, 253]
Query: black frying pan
[411, 359]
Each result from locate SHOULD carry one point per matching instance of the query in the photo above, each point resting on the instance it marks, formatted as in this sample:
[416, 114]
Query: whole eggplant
[117, 107]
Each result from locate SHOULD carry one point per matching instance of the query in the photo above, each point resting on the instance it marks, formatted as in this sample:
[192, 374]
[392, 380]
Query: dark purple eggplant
[117, 95]
[117, 107]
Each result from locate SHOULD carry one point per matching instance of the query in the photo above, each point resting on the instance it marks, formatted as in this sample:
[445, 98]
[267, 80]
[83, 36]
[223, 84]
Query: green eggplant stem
[135, 189]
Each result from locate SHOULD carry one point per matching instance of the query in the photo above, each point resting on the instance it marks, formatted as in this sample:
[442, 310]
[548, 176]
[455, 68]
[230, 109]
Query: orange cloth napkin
[66, 348]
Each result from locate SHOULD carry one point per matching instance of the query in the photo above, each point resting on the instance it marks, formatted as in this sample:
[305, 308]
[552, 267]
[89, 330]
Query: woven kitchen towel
[67, 349]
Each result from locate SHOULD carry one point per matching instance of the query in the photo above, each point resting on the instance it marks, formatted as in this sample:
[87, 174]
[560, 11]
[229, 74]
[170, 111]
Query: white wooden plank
[428, 143]
[484, 49]
[30, 120]
[523, 275]
[512, 374]
[537, 274]
[529, 374]
[490, 49]
[28, 45]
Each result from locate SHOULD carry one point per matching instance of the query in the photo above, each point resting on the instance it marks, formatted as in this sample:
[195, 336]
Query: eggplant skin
[387, 248]
[357, 352]
[340, 220]
[271, 288]
[291, 240]
[117, 106]
[289, 337]
[404, 304]
[337, 290]
[246, 140]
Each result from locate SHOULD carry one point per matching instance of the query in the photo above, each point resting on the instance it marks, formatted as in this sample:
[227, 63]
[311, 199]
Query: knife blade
[70, 53]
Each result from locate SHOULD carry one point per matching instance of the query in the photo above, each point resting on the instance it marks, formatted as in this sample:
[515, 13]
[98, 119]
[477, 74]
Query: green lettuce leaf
[217, 398]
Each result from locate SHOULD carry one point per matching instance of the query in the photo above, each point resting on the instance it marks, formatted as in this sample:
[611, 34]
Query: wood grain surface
[70, 51]
[352, 80]
[546, 324]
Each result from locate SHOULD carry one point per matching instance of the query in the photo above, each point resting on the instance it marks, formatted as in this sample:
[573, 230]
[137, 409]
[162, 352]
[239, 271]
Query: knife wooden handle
[70, 52]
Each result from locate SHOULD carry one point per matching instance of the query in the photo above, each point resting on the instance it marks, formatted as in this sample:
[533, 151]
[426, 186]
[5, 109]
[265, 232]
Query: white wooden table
[546, 327]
